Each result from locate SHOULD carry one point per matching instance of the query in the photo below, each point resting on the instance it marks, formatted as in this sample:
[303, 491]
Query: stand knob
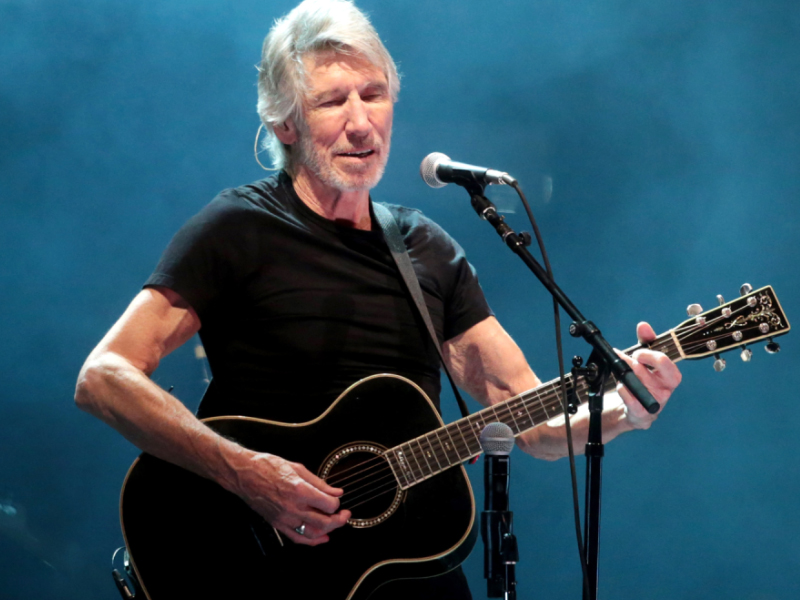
[719, 364]
[772, 347]
[745, 289]
[693, 310]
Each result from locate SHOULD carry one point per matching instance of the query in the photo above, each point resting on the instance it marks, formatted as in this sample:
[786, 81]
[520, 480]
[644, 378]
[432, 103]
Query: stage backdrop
[658, 142]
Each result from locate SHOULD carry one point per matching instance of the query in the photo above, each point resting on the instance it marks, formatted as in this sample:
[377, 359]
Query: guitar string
[336, 480]
[695, 326]
[373, 490]
[378, 461]
[507, 410]
[379, 490]
[440, 454]
[373, 481]
[373, 498]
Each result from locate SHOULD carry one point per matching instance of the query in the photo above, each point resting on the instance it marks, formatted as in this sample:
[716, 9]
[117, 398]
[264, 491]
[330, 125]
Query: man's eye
[373, 96]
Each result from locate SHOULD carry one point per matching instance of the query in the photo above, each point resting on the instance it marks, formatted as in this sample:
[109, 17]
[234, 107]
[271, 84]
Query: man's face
[344, 142]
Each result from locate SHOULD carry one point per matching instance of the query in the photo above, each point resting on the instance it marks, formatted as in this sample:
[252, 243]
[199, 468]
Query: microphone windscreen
[497, 439]
[428, 169]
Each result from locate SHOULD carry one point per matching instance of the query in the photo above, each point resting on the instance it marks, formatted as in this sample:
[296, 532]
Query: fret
[516, 428]
[473, 442]
[445, 446]
[476, 427]
[391, 458]
[420, 464]
[433, 452]
[405, 468]
[544, 408]
[457, 425]
[452, 442]
[422, 450]
[531, 421]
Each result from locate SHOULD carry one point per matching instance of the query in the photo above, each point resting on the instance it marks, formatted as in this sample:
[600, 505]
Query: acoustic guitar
[401, 469]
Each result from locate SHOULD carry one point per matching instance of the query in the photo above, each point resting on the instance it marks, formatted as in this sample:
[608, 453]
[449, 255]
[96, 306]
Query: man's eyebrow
[379, 86]
[326, 94]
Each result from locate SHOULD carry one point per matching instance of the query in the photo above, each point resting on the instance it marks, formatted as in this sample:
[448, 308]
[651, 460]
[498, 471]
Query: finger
[650, 359]
[645, 333]
[321, 523]
[655, 362]
[305, 539]
[316, 498]
[314, 525]
[648, 378]
[317, 482]
[657, 372]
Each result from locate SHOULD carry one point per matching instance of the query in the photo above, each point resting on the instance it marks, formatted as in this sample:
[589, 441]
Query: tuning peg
[772, 347]
[720, 299]
[693, 310]
[719, 364]
[745, 289]
[746, 354]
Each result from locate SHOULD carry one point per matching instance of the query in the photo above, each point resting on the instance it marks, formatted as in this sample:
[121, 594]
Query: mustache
[370, 144]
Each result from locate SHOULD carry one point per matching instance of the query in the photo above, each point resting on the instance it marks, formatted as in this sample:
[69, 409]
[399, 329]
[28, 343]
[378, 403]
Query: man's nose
[358, 123]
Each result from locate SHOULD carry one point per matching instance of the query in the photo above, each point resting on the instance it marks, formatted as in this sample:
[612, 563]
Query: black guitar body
[188, 538]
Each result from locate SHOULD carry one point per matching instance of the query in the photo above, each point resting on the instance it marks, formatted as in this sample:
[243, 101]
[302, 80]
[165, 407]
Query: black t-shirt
[294, 307]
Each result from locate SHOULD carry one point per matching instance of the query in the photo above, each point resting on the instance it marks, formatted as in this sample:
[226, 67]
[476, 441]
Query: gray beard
[309, 157]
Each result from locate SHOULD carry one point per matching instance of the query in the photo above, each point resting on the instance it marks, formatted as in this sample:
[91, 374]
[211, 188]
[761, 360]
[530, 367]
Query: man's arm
[114, 385]
[489, 365]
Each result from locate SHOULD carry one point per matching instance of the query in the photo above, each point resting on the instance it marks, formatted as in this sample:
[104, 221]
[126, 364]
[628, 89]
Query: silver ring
[301, 530]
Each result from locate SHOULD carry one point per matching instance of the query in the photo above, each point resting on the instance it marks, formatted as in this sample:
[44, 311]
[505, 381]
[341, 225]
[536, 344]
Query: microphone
[438, 170]
[497, 441]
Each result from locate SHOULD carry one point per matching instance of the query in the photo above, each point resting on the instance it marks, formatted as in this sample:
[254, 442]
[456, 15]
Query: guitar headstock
[756, 315]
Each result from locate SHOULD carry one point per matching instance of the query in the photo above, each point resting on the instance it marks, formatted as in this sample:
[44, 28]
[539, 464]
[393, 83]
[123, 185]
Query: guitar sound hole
[371, 491]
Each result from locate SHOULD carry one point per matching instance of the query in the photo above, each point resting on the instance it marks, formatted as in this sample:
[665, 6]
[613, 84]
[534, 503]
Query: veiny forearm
[112, 389]
[487, 363]
[549, 440]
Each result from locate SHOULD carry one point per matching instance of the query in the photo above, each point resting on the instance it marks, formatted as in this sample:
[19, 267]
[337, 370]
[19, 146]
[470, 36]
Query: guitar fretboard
[427, 455]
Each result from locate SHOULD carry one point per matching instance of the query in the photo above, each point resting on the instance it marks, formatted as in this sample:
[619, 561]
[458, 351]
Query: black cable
[564, 399]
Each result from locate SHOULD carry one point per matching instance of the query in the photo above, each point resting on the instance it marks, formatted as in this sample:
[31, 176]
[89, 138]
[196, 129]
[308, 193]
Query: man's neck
[346, 208]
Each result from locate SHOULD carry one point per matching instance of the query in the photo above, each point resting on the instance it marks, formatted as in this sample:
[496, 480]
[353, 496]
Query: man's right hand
[287, 496]
[115, 386]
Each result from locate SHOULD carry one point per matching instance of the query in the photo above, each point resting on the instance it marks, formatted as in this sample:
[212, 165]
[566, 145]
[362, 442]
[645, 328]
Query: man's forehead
[322, 67]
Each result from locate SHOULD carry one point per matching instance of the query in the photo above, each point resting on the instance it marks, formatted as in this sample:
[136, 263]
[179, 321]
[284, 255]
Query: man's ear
[286, 132]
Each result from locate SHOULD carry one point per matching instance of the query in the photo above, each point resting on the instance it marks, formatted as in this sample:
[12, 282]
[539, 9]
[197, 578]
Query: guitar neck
[755, 316]
[430, 454]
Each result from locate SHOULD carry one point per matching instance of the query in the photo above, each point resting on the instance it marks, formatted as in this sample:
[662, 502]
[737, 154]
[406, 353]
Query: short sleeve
[207, 255]
[441, 263]
[465, 304]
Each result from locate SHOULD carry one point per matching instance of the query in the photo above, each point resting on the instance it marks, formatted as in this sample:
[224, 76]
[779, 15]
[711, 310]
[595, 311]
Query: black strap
[400, 255]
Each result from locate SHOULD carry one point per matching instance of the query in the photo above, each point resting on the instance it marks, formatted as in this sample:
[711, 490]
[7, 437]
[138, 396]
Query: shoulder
[241, 206]
[417, 228]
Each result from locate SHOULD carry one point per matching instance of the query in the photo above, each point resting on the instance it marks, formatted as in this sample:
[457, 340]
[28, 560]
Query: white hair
[313, 26]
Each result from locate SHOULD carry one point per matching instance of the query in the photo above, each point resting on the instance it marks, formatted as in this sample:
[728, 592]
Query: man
[289, 278]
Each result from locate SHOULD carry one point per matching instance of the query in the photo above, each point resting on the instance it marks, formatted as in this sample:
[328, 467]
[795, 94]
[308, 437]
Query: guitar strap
[397, 247]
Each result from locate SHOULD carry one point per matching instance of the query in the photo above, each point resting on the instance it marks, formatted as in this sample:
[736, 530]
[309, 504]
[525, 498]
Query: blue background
[668, 128]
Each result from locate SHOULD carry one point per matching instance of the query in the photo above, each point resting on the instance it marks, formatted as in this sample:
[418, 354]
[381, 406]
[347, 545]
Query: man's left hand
[658, 374]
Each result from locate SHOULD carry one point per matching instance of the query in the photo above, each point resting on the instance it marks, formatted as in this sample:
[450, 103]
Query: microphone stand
[497, 521]
[603, 363]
